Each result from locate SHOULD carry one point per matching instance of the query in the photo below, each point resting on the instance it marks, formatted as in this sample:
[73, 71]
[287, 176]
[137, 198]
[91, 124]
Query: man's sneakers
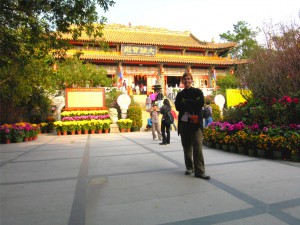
[202, 176]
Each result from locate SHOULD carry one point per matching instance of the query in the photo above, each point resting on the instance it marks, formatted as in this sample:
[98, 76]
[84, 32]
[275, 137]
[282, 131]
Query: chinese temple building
[149, 56]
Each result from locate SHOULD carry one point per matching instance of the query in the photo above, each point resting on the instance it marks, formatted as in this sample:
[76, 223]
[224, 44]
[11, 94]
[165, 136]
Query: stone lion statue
[113, 115]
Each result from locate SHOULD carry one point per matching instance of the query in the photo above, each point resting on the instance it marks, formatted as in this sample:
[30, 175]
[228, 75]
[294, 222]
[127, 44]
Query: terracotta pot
[30, 138]
[7, 141]
[26, 139]
[122, 130]
[128, 129]
[100, 131]
[106, 131]
[92, 131]
[35, 137]
[73, 132]
[65, 132]
[86, 132]
[58, 133]
[79, 132]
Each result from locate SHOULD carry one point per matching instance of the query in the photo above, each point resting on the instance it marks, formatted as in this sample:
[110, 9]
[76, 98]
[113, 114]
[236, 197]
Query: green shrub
[216, 112]
[135, 114]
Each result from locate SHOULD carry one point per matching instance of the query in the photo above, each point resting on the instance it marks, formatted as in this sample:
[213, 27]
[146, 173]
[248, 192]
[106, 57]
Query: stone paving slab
[127, 178]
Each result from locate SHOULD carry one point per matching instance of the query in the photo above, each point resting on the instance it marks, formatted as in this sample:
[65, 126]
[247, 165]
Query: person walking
[148, 103]
[165, 127]
[137, 89]
[159, 98]
[153, 98]
[124, 86]
[209, 118]
[189, 103]
[154, 114]
[133, 88]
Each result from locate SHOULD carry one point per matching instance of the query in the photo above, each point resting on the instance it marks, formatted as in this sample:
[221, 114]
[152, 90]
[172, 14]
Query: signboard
[138, 50]
[85, 98]
[234, 97]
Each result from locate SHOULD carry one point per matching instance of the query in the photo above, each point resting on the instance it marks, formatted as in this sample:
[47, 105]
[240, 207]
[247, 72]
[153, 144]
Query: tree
[244, 36]
[274, 71]
[227, 82]
[29, 32]
[32, 28]
[76, 73]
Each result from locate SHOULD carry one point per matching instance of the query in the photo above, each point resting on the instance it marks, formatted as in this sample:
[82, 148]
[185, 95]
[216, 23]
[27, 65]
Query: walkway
[128, 179]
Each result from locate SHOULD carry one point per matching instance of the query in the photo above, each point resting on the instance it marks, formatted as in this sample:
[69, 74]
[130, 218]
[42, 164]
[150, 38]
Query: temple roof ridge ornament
[145, 29]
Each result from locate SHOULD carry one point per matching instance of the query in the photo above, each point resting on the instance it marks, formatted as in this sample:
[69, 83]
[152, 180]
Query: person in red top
[153, 98]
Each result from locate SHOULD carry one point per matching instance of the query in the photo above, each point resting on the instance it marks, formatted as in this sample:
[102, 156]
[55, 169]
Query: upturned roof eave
[201, 45]
[161, 59]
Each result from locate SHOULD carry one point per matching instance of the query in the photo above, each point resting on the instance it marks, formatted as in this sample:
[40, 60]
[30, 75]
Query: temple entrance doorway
[173, 81]
[141, 81]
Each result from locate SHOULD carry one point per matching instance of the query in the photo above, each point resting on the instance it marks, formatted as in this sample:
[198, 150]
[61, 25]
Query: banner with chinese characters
[85, 98]
[138, 50]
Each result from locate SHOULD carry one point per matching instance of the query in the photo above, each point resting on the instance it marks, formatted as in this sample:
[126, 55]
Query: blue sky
[206, 19]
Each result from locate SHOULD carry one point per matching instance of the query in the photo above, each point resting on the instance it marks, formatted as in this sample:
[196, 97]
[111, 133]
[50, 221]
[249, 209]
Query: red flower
[288, 99]
[274, 100]
[296, 100]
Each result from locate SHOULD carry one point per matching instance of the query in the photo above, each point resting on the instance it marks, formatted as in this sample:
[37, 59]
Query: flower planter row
[25, 139]
[88, 132]
[283, 154]
[69, 126]
[18, 132]
[79, 132]
[276, 141]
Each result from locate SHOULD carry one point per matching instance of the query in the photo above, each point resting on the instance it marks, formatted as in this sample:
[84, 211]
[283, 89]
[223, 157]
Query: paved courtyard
[128, 179]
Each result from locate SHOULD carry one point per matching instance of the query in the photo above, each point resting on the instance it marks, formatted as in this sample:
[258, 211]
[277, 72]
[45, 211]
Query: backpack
[168, 118]
[206, 112]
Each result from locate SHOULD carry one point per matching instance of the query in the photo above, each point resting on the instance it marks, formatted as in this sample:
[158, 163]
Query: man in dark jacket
[189, 103]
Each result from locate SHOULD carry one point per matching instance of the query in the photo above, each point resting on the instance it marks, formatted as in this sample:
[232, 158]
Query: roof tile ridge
[146, 29]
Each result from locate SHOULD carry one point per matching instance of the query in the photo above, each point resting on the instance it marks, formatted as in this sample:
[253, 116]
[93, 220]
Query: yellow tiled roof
[142, 35]
[159, 58]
